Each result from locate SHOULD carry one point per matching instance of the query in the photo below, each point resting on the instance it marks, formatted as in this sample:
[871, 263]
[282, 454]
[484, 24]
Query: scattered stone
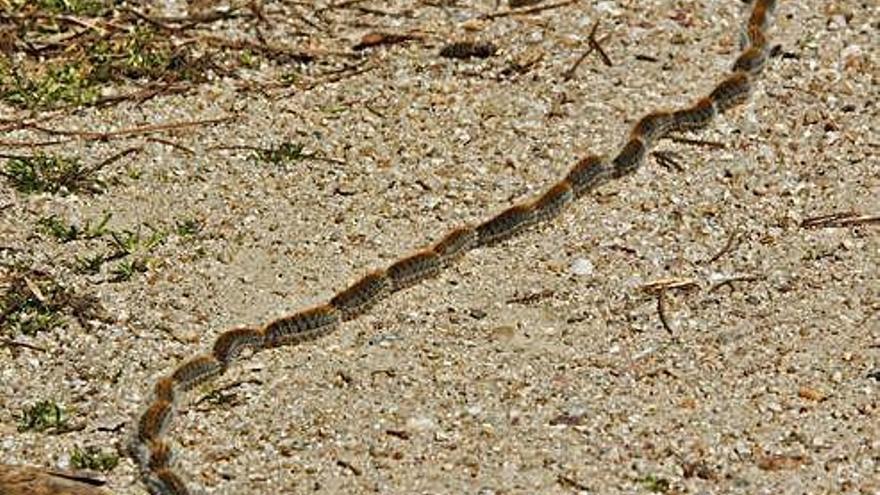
[582, 267]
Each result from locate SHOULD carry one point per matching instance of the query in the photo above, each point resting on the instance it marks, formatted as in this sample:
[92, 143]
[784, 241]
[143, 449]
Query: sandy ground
[464, 384]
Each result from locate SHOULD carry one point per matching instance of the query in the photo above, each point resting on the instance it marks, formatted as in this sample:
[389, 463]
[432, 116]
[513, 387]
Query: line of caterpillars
[153, 454]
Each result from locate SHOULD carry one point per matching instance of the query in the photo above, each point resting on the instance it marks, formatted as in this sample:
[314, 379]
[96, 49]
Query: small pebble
[582, 267]
[810, 393]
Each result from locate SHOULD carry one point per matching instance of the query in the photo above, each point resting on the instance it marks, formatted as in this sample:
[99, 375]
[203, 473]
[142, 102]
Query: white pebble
[421, 423]
[582, 267]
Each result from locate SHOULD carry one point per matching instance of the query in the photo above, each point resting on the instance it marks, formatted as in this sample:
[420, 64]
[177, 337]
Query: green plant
[91, 264]
[188, 227]
[31, 305]
[655, 484]
[56, 84]
[94, 459]
[76, 7]
[284, 153]
[52, 174]
[131, 241]
[53, 226]
[126, 269]
[42, 416]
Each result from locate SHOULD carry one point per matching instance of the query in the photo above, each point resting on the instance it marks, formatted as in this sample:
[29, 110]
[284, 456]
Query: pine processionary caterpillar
[505, 225]
[154, 421]
[755, 38]
[159, 455]
[652, 127]
[230, 344]
[752, 60]
[196, 371]
[302, 326]
[165, 482]
[413, 269]
[552, 202]
[362, 295]
[164, 390]
[466, 49]
[630, 157]
[731, 92]
[697, 116]
[760, 17]
[586, 175]
[455, 244]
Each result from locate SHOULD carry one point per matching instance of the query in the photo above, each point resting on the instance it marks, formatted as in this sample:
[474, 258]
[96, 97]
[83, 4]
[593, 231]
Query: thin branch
[31, 144]
[12, 344]
[661, 297]
[171, 143]
[596, 44]
[567, 75]
[659, 289]
[108, 161]
[531, 10]
[731, 280]
[668, 160]
[727, 247]
[843, 219]
[136, 131]
[696, 142]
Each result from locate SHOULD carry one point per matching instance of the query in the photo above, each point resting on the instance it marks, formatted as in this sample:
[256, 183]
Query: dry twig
[135, 131]
[844, 219]
[531, 298]
[731, 280]
[696, 142]
[726, 249]
[668, 160]
[12, 344]
[659, 289]
[531, 10]
[593, 44]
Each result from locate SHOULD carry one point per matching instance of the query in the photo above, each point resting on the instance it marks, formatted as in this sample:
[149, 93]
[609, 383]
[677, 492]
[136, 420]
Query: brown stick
[696, 142]
[567, 75]
[531, 10]
[843, 219]
[661, 298]
[731, 280]
[596, 44]
[168, 142]
[14, 343]
[136, 131]
[336, 77]
[659, 288]
[667, 159]
[143, 95]
[729, 244]
[29, 144]
[110, 160]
